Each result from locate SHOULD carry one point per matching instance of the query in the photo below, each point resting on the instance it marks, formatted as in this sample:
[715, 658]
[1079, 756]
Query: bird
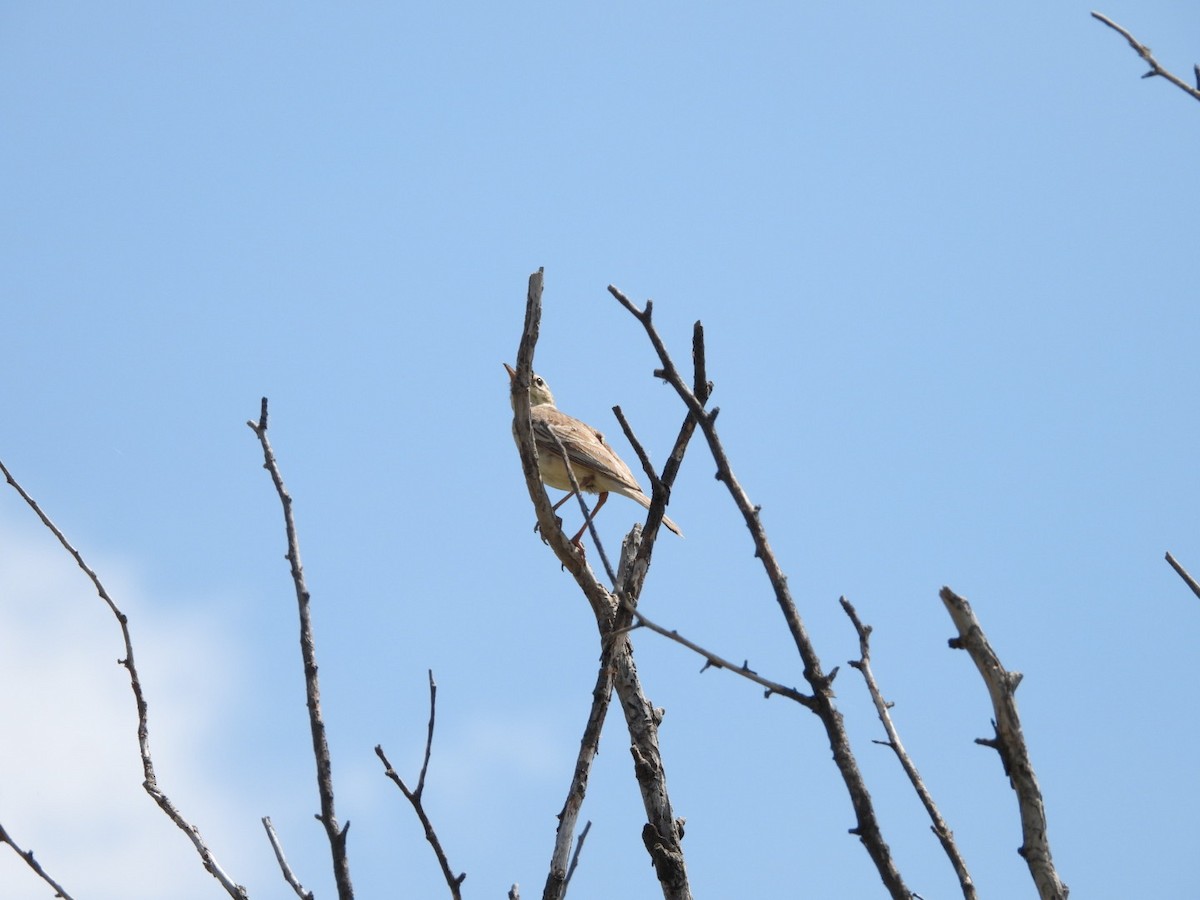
[595, 464]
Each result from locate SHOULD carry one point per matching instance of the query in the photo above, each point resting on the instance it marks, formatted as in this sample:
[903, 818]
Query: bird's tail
[645, 501]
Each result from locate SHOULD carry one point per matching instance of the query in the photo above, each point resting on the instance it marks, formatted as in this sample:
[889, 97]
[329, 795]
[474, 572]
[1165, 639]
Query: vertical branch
[589, 745]
[662, 833]
[328, 818]
[150, 782]
[1009, 743]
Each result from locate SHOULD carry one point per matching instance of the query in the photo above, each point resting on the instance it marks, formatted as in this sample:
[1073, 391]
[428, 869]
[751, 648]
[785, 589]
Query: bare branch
[662, 832]
[288, 875]
[454, 882]
[1009, 743]
[559, 875]
[150, 782]
[578, 850]
[1183, 573]
[1155, 69]
[883, 709]
[328, 818]
[867, 827]
[717, 662]
[27, 855]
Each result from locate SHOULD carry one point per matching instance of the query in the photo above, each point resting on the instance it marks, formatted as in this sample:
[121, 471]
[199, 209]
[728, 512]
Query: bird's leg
[554, 508]
[588, 520]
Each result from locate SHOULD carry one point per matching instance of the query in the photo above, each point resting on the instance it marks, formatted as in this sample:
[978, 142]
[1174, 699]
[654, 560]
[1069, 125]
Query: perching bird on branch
[596, 465]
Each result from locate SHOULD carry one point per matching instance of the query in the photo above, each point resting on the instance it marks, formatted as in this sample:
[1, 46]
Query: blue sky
[945, 259]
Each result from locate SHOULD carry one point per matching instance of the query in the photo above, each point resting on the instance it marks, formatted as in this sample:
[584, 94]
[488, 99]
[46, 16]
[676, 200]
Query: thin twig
[883, 710]
[1009, 743]
[578, 850]
[662, 484]
[1155, 69]
[714, 661]
[1183, 573]
[587, 515]
[27, 855]
[288, 875]
[453, 882]
[150, 781]
[428, 735]
[867, 827]
[327, 817]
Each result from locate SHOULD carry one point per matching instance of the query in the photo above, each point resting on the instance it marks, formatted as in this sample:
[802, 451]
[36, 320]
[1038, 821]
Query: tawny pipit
[596, 465]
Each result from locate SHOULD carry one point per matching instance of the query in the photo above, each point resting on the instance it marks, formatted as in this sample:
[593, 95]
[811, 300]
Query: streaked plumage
[596, 465]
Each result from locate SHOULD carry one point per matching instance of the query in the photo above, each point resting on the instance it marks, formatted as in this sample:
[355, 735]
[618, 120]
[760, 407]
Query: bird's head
[539, 391]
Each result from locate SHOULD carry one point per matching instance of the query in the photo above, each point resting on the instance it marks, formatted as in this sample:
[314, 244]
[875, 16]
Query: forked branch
[414, 796]
[662, 832]
[884, 710]
[867, 827]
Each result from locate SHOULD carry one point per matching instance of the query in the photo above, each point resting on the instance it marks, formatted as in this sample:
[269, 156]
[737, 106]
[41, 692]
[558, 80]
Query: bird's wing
[586, 448]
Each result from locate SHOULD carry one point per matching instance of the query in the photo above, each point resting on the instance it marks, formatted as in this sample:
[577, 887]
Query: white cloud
[70, 773]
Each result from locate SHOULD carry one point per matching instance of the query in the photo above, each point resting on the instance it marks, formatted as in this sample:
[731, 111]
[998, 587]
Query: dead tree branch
[150, 780]
[714, 661]
[578, 851]
[559, 876]
[867, 827]
[288, 875]
[662, 832]
[1155, 68]
[883, 710]
[1183, 573]
[27, 855]
[454, 882]
[1009, 743]
[327, 817]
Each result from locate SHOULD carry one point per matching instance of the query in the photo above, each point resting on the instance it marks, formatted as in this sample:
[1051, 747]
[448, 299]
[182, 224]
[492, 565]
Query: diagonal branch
[1155, 68]
[714, 661]
[328, 818]
[1009, 743]
[150, 782]
[288, 875]
[883, 709]
[867, 827]
[578, 851]
[1183, 573]
[559, 876]
[27, 855]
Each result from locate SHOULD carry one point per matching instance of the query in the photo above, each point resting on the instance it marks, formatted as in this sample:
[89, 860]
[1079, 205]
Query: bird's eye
[538, 380]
